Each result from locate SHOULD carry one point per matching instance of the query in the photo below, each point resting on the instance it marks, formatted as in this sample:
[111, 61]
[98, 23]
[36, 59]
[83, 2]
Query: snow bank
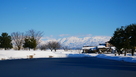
[24, 54]
[14, 54]
[118, 58]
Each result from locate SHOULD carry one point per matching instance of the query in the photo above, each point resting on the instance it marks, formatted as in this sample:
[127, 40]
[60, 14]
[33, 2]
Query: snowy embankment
[24, 54]
[14, 54]
[127, 58]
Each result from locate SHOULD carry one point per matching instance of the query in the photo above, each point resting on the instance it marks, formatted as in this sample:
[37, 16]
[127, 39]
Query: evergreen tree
[5, 41]
[34, 36]
[30, 43]
[33, 43]
[124, 38]
[131, 33]
[27, 43]
[116, 40]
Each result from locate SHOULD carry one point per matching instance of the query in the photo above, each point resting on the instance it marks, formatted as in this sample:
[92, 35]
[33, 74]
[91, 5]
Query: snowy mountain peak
[76, 42]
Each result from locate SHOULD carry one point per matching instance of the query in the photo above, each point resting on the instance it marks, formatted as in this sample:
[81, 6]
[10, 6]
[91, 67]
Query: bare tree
[36, 35]
[43, 47]
[18, 39]
[53, 45]
[50, 45]
[65, 48]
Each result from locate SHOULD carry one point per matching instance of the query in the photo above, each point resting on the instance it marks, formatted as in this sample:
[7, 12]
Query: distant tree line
[124, 39]
[29, 40]
[52, 45]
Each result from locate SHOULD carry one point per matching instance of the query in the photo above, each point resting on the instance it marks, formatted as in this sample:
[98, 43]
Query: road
[66, 67]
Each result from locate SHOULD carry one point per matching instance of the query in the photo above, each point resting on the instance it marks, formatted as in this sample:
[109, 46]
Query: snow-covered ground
[23, 54]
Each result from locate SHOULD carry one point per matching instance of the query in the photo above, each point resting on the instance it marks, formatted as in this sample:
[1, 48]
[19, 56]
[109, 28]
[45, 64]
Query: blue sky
[66, 17]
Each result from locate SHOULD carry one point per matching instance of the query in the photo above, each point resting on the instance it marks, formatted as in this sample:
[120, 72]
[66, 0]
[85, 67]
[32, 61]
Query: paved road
[67, 67]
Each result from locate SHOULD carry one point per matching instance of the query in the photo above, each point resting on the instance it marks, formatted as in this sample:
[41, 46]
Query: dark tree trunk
[19, 48]
[125, 52]
[118, 50]
[133, 50]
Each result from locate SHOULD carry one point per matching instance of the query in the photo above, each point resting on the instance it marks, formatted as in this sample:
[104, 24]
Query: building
[101, 48]
[88, 49]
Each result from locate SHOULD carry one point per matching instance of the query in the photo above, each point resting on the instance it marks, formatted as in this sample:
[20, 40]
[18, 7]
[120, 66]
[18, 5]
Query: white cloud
[63, 35]
[51, 37]
[83, 35]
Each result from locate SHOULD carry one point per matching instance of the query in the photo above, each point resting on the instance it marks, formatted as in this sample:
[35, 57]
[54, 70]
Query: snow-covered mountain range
[76, 42]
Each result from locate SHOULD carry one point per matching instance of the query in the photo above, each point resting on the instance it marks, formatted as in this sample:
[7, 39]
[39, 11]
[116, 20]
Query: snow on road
[23, 54]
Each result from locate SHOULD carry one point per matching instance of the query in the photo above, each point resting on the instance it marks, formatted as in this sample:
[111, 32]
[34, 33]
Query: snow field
[24, 54]
[14, 54]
